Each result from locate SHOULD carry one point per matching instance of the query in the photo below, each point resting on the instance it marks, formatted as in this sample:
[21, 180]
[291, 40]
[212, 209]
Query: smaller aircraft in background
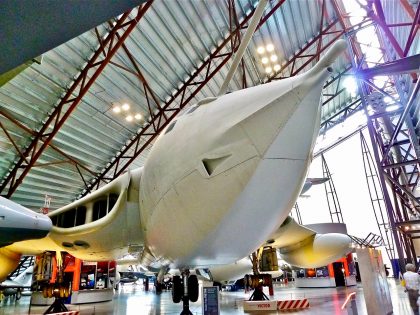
[18, 223]
[17, 285]
[310, 182]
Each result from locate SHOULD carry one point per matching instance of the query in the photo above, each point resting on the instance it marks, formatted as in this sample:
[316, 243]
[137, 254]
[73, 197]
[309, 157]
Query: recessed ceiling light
[264, 60]
[388, 100]
[137, 116]
[125, 107]
[260, 50]
[276, 67]
[129, 118]
[116, 109]
[269, 47]
[273, 58]
[268, 70]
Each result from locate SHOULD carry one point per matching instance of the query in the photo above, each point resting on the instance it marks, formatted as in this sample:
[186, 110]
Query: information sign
[211, 301]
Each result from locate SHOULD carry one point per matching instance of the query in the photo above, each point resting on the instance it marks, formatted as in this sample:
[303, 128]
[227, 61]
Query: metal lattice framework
[331, 194]
[394, 139]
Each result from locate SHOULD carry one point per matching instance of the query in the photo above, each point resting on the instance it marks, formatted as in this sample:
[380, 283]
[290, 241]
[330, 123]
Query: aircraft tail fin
[25, 278]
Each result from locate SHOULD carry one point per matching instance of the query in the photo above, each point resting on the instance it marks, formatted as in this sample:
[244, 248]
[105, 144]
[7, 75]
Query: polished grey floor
[131, 299]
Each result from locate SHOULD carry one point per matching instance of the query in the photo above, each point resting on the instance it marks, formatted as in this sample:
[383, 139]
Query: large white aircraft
[219, 181]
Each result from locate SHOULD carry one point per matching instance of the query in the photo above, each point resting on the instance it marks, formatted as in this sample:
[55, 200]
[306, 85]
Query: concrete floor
[131, 299]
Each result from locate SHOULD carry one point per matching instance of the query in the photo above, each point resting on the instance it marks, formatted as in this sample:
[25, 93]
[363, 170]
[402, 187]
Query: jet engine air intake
[211, 164]
[77, 216]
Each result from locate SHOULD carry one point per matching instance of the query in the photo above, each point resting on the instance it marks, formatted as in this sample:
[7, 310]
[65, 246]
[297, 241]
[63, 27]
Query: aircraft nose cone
[18, 223]
[44, 224]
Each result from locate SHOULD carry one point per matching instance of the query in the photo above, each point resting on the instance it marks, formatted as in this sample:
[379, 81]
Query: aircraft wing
[303, 247]
[289, 233]
[104, 225]
[13, 285]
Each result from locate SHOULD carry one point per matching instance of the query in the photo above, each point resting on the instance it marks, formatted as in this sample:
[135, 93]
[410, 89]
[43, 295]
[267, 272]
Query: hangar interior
[78, 114]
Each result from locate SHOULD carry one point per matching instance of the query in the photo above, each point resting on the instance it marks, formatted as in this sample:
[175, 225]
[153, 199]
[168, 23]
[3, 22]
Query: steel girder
[71, 99]
[328, 35]
[177, 101]
[394, 140]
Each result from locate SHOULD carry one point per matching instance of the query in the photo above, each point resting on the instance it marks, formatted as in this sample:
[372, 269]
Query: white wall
[345, 163]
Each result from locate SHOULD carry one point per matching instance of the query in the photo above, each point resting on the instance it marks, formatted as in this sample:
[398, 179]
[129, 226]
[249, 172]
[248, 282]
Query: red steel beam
[309, 57]
[413, 31]
[210, 66]
[380, 19]
[60, 114]
[33, 133]
[408, 8]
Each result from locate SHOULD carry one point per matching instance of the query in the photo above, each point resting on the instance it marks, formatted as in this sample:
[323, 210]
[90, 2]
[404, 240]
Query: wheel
[18, 295]
[45, 292]
[193, 288]
[66, 292]
[50, 291]
[177, 289]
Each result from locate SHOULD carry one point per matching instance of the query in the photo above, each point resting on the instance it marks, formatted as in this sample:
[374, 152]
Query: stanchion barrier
[292, 304]
[66, 313]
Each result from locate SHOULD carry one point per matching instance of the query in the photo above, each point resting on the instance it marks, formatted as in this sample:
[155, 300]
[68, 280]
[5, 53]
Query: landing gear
[257, 282]
[57, 307]
[60, 292]
[159, 280]
[193, 288]
[185, 289]
[18, 295]
[177, 289]
[158, 287]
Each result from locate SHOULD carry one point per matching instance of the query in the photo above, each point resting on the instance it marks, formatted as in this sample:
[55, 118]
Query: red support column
[76, 274]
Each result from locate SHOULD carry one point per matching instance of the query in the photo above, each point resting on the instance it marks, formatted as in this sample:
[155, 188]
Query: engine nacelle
[8, 262]
[317, 251]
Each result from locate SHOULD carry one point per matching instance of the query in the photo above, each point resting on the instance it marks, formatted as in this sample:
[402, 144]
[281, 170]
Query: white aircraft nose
[44, 224]
[18, 223]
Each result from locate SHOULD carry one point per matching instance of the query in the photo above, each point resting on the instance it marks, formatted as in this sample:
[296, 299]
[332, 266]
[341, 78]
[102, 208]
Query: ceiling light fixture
[260, 50]
[269, 47]
[116, 109]
[277, 67]
[125, 107]
[268, 70]
[137, 116]
[273, 58]
[129, 118]
[264, 60]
